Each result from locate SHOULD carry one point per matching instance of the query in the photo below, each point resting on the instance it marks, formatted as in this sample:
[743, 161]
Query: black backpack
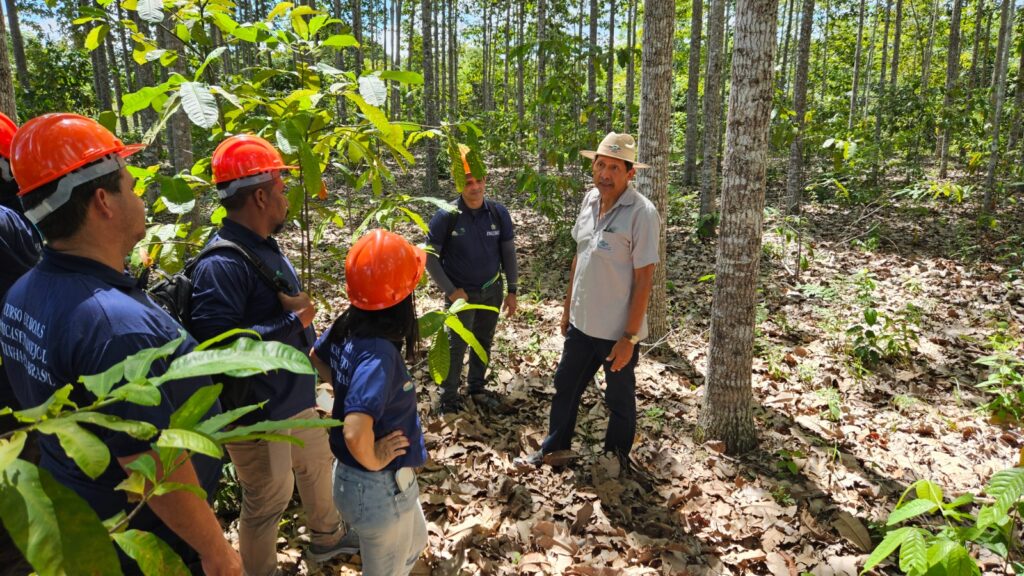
[173, 292]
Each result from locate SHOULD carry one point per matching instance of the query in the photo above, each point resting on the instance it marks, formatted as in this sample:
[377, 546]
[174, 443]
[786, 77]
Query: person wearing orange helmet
[474, 246]
[374, 394]
[229, 292]
[20, 246]
[77, 313]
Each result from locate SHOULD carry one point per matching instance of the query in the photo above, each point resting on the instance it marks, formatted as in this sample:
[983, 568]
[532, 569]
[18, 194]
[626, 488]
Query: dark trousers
[582, 355]
[482, 324]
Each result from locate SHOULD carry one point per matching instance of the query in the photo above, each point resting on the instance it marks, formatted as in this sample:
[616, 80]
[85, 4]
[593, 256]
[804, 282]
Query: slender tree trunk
[880, 99]
[8, 103]
[627, 118]
[795, 179]
[897, 37]
[789, 8]
[986, 39]
[999, 88]
[357, 32]
[655, 145]
[712, 114]
[726, 409]
[453, 58]
[609, 79]
[692, 95]
[505, 57]
[926, 58]
[520, 84]
[868, 67]
[542, 59]
[1015, 130]
[116, 76]
[952, 72]
[429, 99]
[18, 44]
[856, 65]
[396, 56]
[823, 54]
[979, 22]
[592, 71]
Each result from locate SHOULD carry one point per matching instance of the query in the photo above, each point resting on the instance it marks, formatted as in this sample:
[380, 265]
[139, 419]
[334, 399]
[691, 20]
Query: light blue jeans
[392, 530]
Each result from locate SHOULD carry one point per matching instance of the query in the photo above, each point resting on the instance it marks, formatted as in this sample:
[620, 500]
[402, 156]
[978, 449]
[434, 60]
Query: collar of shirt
[231, 230]
[54, 261]
[461, 203]
[627, 198]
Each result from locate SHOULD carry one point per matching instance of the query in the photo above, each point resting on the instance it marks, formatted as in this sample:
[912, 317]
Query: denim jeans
[482, 324]
[392, 530]
[582, 355]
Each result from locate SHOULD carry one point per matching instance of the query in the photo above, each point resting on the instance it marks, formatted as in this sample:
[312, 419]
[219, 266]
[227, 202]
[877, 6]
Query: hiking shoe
[556, 459]
[536, 460]
[450, 405]
[347, 545]
[491, 401]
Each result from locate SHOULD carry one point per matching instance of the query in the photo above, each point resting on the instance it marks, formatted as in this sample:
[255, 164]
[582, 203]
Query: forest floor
[839, 439]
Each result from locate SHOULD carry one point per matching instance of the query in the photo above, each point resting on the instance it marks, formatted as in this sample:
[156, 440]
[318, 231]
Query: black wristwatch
[512, 290]
[634, 339]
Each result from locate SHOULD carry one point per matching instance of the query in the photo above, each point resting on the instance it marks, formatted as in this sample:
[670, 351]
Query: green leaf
[244, 357]
[189, 440]
[145, 465]
[108, 119]
[372, 113]
[10, 449]
[455, 165]
[133, 428]
[439, 357]
[341, 41]
[89, 452]
[958, 562]
[402, 76]
[373, 90]
[1006, 486]
[142, 99]
[914, 553]
[431, 322]
[137, 366]
[199, 104]
[141, 394]
[887, 546]
[211, 57]
[279, 10]
[197, 405]
[151, 11]
[96, 37]
[168, 487]
[210, 343]
[925, 488]
[461, 305]
[216, 423]
[51, 407]
[56, 531]
[153, 555]
[455, 324]
[910, 510]
[176, 194]
[271, 426]
[135, 483]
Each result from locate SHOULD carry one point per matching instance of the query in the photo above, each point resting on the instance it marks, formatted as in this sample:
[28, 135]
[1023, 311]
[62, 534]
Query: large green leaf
[244, 357]
[176, 194]
[153, 555]
[958, 562]
[96, 37]
[141, 394]
[926, 489]
[439, 357]
[211, 57]
[189, 440]
[341, 41]
[199, 104]
[914, 553]
[270, 426]
[887, 546]
[1007, 487]
[460, 305]
[910, 510]
[51, 407]
[218, 422]
[137, 366]
[373, 90]
[10, 449]
[89, 452]
[402, 76]
[197, 405]
[455, 324]
[431, 322]
[133, 428]
[56, 531]
[151, 11]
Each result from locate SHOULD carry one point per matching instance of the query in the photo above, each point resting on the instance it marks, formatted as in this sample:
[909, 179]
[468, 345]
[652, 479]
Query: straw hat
[621, 146]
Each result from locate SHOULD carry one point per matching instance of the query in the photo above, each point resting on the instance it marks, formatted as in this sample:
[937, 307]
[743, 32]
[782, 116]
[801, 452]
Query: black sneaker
[450, 405]
[347, 545]
[491, 401]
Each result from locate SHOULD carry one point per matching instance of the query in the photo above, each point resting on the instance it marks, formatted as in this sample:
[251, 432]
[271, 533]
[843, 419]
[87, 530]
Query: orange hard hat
[51, 146]
[245, 155]
[382, 269]
[7, 130]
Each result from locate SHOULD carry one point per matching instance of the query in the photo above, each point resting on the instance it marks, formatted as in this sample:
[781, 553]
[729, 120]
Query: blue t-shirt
[20, 248]
[228, 292]
[71, 316]
[370, 377]
[471, 254]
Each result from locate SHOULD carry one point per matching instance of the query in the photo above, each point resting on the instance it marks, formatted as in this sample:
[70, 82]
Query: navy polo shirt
[471, 254]
[20, 248]
[228, 293]
[71, 316]
[370, 377]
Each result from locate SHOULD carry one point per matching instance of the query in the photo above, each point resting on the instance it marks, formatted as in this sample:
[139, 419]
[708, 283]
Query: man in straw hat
[604, 317]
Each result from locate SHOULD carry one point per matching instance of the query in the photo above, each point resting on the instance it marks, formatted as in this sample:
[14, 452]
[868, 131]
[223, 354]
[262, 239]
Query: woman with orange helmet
[382, 440]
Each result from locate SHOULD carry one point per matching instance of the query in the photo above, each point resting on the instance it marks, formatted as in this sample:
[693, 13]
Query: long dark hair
[397, 323]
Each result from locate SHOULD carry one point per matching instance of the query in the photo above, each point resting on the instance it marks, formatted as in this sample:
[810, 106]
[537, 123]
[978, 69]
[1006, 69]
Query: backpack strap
[276, 284]
[453, 218]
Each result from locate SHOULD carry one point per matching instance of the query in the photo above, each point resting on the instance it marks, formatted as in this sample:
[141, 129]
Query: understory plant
[1005, 381]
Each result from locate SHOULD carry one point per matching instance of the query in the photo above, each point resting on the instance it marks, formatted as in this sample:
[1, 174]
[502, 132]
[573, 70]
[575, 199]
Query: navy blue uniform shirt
[228, 292]
[71, 316]
[20, 248]
[370, 377]
[471, 254]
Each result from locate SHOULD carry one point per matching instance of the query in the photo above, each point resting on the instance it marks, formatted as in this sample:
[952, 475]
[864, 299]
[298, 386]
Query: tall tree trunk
[116, 76]
[627, 118]
[655, 145]
[505, 57]
[609, 79]
[453, 58]
[396, 56]
[795, 178]
[926, 58]
[8, 103]
[1015, 130]
[868, 67]
[979, 24]
[712, 113]
[692, 95]
[952, 72]
[880, 100]
[986, 54]
[897, 36]
[999, 88]
[542, 59]
[357, 32]
[823, 54]
[789, 8]
[726, 409]
[856, 65]
[18, 44]
[429, 99]
[592, 71]
[520, 83]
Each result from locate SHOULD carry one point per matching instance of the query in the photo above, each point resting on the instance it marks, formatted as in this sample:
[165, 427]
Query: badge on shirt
[604, 245]
[408, 386]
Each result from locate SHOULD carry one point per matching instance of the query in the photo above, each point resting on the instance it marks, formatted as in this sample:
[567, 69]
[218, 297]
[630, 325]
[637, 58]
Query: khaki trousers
[265, 472]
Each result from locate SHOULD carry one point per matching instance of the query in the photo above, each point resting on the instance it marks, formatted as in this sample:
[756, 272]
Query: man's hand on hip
[621, 354]
[458, 293]
[301, 304]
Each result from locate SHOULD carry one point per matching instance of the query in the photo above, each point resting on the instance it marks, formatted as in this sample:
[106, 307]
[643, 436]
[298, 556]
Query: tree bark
[8, 103]
[520, 83]
[726, 409]
[18, 45]
[429, 100]
[896, 38]
[357, 32]
[655, 145]
[856, 66]
[453, 58]
[627, 116]
[542, 59]
[1015, 130]
[999, 88]
[396, 57]
[926, 59]
[712, 113]
[609, 78]
[692, 95]
[952, 72]
[789, 8]
[795, 178]
[592, 71]
[979, 19]
[880, 100]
